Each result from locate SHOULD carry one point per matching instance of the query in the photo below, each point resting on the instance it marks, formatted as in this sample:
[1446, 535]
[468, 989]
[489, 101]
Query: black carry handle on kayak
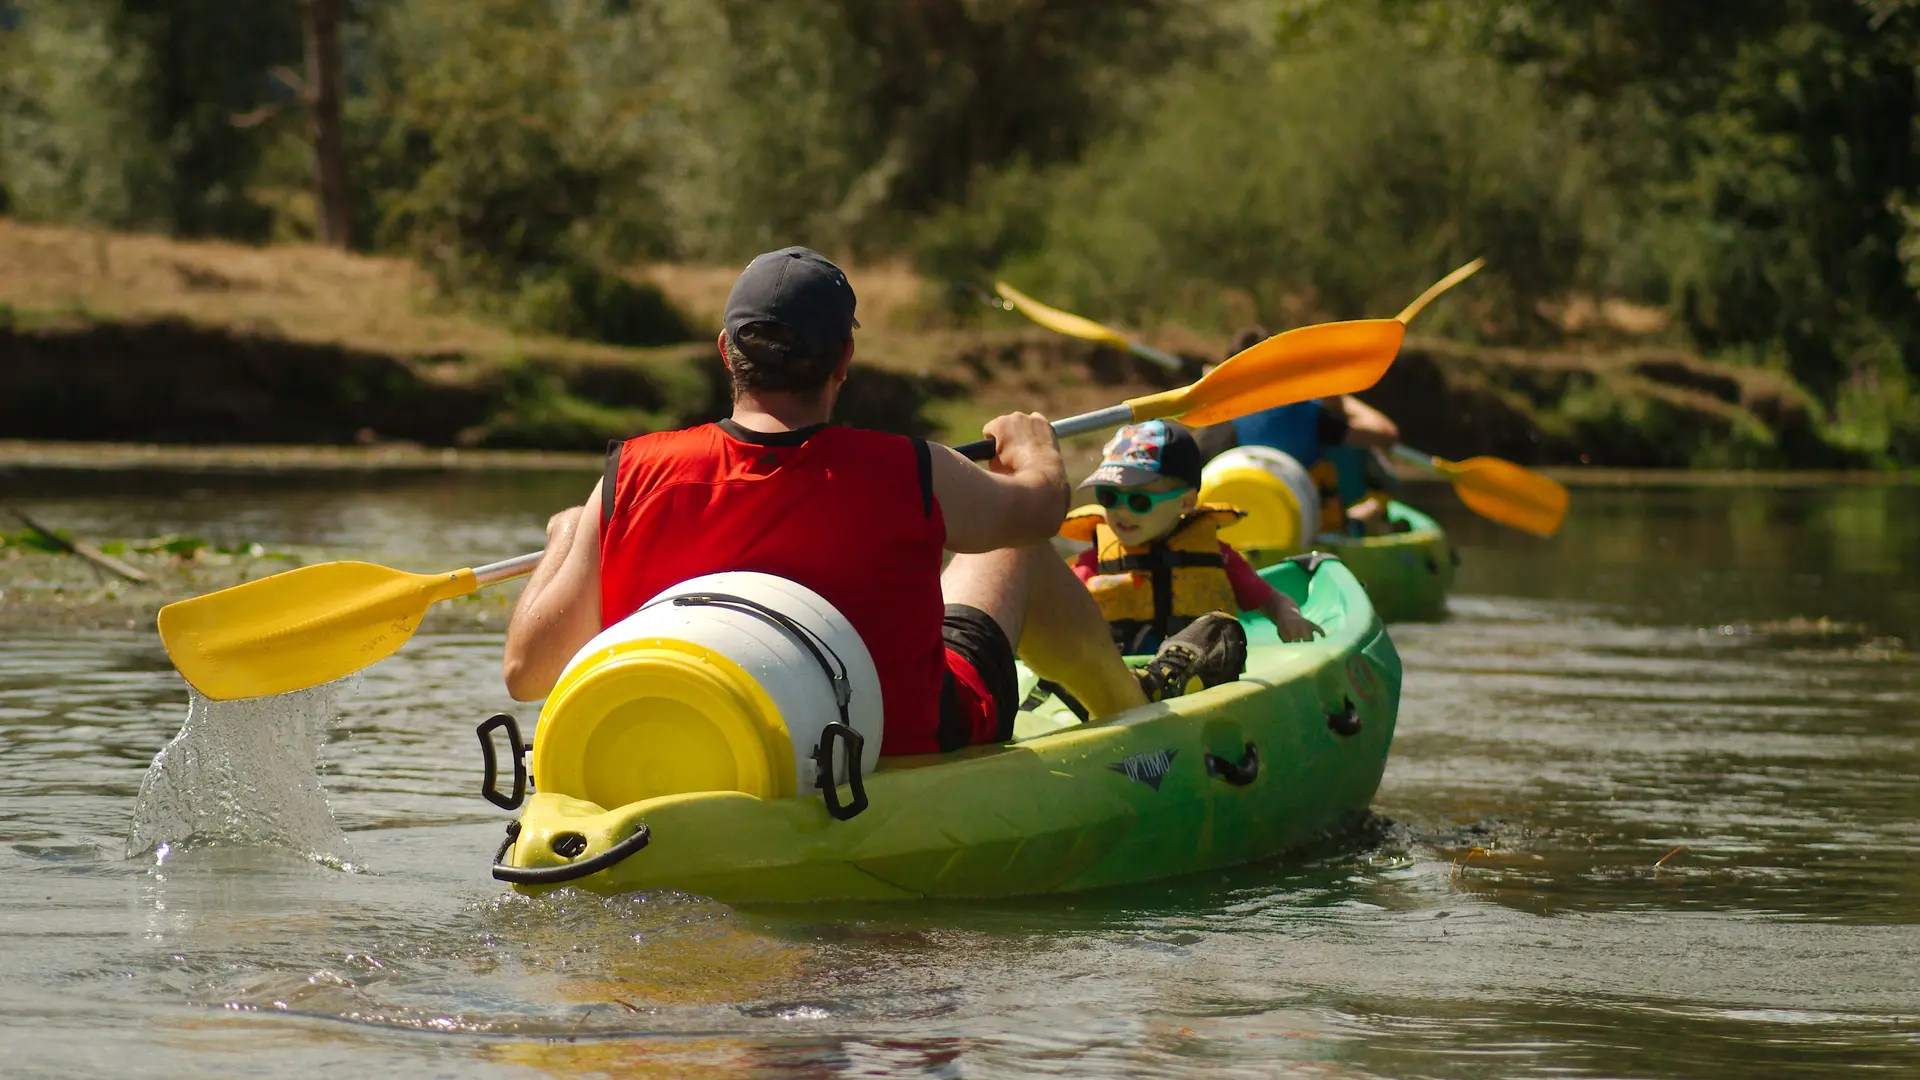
[1346, 723]
[823, 770]
[1240, 775]
[566, 845]
[516, 752]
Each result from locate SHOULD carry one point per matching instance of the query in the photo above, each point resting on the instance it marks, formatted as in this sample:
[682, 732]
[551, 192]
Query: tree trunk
[324, 90]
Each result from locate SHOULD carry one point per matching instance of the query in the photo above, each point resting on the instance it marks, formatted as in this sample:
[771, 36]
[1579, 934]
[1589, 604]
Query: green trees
[482, 171]
[117, 112]
[1766, 152]
[1748, 164]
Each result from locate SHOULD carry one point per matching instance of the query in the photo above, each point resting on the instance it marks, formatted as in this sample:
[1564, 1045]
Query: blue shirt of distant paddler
[1308, 431]
[1335, 430]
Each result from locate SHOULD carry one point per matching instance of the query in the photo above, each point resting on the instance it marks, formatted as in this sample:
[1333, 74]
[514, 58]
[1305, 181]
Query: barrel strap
[835, 670]
[836, 673]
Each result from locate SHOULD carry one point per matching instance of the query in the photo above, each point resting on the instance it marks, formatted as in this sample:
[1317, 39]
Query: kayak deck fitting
[1291, 751]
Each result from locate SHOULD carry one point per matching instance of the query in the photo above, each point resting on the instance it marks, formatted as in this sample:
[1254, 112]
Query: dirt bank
[144, 339]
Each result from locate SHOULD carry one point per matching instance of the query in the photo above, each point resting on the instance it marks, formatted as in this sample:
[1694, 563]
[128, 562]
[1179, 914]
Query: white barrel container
[710, 686]
[1281, 501]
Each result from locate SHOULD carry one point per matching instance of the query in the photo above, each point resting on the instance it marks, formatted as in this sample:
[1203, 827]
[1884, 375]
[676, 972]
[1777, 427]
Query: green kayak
[1288, 753]
[1408, 573]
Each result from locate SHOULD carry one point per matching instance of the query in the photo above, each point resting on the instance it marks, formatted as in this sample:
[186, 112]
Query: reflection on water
[1651, 813]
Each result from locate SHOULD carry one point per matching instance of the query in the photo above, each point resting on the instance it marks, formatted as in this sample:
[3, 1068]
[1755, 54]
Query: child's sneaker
[1211, 650]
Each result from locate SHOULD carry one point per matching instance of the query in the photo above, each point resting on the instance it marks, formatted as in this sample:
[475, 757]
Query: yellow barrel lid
[1273, 513]
[660, 716]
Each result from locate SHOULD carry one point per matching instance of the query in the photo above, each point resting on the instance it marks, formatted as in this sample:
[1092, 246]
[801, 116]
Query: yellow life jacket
[1148, 591]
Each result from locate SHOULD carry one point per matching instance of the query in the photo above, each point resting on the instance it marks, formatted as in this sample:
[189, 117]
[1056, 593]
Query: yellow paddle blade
[1510, 494]
[300, 628]
[1060, 322]
[1307, 362]
[1434, 290]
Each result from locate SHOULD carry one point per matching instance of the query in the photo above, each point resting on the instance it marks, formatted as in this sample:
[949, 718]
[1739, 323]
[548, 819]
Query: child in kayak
[1165, 582]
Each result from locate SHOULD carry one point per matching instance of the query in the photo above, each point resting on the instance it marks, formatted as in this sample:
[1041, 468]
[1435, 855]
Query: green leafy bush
[578, 300]
[1320, 192]
[490, 181]
[120, 112]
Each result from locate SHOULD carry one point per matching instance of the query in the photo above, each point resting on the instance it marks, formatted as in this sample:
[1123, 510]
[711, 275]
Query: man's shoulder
[654, 451]
[882, 449]
[866, 436]
[653, 441]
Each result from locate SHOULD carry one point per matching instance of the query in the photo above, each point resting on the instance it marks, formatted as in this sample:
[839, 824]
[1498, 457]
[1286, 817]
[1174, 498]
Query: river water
[1652, 812]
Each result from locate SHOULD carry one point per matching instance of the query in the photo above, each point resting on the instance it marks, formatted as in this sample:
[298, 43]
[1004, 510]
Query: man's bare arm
[1019, 499]
[559, 610]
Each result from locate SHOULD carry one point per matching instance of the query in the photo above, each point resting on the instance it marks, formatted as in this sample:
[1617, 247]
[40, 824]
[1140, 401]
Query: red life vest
[847, 513]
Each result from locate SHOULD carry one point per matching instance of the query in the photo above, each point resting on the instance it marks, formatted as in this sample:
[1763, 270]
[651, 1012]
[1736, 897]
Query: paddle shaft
[980, 450]
[506, 569]
[1148, 352]
[1408, 453]
[1112, 416]
[521, 565]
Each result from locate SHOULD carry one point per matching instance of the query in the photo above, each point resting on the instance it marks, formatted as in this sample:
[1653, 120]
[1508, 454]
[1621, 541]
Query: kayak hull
[1290, 752]
[1408, 574]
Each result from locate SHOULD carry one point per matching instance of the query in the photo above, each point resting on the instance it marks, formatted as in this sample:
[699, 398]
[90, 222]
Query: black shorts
[980, 692]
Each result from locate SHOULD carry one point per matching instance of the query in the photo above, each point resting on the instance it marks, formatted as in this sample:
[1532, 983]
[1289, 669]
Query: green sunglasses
[1139, 502]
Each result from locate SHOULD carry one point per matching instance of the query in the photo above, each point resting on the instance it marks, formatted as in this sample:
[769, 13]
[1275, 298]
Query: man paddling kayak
[859, 517]
[1334, 439]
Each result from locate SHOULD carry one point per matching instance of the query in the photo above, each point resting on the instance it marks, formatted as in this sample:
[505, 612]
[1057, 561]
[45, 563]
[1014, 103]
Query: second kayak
[1408, 572]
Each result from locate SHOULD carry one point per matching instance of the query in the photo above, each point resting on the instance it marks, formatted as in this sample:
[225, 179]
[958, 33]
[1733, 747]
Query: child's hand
[1287, 620]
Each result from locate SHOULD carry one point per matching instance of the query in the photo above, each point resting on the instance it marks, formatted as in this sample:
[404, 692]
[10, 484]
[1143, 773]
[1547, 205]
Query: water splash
[243, 774]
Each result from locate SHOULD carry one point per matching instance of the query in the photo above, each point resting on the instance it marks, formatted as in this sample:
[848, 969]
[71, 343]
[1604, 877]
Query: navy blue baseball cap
[1139, 454]
[798, 288]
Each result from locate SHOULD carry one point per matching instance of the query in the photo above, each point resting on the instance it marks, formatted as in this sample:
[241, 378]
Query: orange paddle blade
[1507, 493]
[1309, 362]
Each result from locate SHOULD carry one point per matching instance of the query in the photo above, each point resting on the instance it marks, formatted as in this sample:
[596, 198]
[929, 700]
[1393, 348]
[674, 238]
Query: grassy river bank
[133, 338]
